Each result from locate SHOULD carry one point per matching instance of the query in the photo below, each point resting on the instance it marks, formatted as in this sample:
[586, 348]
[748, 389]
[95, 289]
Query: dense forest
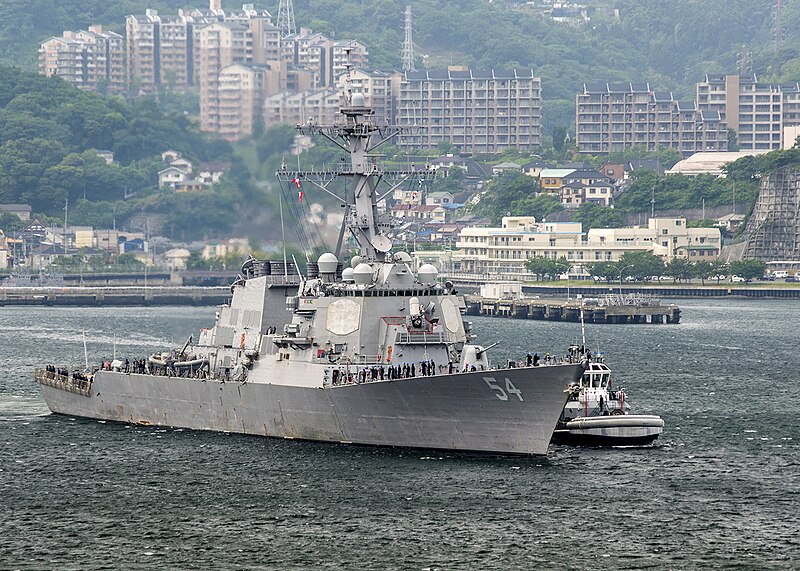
[671, 44]
[49, 135]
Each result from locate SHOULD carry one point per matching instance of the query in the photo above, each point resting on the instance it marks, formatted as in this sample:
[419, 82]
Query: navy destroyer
[374, 353]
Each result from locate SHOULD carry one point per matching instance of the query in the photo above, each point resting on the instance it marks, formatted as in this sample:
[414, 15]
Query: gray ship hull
[509, 411]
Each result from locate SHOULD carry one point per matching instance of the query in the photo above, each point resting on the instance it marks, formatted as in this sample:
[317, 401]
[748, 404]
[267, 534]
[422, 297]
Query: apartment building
[266, 37]
[91, 59]
[504, 250]
[329, 59]
[165, 49]
[478, 111]
[242, 89]
[220, 45]
[612, 117]
[316, 106]
[377, 88]
[322, 106]
[668, 237]
[758, 112]
[142, 35]
[62, 57]
[176, 62]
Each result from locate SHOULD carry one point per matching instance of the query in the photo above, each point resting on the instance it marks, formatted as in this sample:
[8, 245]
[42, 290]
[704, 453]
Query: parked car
[792, 279]
[737, 279]
[780, 274]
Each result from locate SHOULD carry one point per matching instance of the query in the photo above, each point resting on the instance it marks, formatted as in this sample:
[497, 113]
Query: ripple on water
[77, 493]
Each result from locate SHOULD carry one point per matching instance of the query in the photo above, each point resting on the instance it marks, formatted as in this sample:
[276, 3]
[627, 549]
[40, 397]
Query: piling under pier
[559, 310]
[114, 296]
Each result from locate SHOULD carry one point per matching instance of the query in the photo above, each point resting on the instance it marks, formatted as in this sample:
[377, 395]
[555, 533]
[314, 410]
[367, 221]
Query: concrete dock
[613, 309]
[114, 296]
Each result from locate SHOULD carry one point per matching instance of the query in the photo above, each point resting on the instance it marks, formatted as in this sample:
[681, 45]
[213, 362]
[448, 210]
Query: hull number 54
[501, 393]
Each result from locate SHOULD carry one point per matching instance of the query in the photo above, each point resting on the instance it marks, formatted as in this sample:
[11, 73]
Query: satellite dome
[362, 273]
[347, 275]
[354, 261]
[327, 263]
[358, 100]
[427, 274]
[402, 257]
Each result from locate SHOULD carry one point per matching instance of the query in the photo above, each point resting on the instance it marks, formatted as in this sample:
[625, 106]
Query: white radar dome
[347, 275]
[358, 100]
[354, 261]
[362, 273]
[427, 274]
[327, 263]
[402, 257]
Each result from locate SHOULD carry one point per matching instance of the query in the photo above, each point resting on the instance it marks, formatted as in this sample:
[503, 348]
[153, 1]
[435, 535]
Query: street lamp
[621, 271]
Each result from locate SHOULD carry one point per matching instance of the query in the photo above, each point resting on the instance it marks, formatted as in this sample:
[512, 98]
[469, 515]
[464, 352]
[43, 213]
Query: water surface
[717, 490]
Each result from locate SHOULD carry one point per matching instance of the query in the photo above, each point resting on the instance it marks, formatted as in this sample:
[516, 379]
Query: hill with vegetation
[670, 44]
[49, 136]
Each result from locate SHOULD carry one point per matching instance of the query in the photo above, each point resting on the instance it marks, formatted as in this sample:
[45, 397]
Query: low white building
[176, 258]
[171, 176]
[708, 163]
[504, 250]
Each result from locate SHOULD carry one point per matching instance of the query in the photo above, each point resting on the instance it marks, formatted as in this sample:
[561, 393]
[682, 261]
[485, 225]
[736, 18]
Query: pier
[114, 296]
[635, 309]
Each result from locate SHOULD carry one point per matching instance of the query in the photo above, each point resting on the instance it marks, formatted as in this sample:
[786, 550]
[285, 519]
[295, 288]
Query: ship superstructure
[374, 351]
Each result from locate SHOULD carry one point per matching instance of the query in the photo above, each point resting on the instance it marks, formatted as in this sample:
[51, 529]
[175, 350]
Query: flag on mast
[300, 194]
[296, 182]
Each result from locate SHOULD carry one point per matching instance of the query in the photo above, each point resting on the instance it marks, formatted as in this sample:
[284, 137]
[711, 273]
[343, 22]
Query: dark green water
[718, 490]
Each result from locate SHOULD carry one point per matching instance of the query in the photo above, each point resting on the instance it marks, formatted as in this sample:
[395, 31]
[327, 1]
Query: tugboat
[372, 352]
[598, 415]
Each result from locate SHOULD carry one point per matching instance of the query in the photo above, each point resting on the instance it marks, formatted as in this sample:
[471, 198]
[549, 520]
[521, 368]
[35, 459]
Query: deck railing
[64, 382]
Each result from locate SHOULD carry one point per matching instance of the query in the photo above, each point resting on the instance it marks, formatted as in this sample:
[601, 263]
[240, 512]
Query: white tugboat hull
[612, 430]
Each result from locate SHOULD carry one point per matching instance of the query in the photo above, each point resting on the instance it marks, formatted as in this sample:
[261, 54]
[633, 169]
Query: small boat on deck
[597, 415]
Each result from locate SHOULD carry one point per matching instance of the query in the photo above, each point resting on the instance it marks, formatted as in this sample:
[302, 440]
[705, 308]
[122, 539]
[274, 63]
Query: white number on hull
[503, 394]
[512, 390]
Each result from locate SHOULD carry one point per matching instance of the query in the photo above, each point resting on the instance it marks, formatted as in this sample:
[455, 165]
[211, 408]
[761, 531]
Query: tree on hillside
[274, 140]
[597, 216]
[559, 136]
[507, 194]
[449, 180]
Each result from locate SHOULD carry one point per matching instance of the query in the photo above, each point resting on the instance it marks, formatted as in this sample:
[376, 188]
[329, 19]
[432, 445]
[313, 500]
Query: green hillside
[49, 133]
[670, 43]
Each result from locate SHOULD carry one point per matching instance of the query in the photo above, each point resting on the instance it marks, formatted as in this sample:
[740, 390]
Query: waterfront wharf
[114, 296]
[632, 308]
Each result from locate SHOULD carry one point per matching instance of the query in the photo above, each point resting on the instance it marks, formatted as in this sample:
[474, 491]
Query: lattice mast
[408, 42]
[286, 18]
[777, 31]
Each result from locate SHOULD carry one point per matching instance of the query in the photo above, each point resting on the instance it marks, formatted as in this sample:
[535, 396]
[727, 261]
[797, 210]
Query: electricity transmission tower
[408, 43]
[286, 18]
[777, 31]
